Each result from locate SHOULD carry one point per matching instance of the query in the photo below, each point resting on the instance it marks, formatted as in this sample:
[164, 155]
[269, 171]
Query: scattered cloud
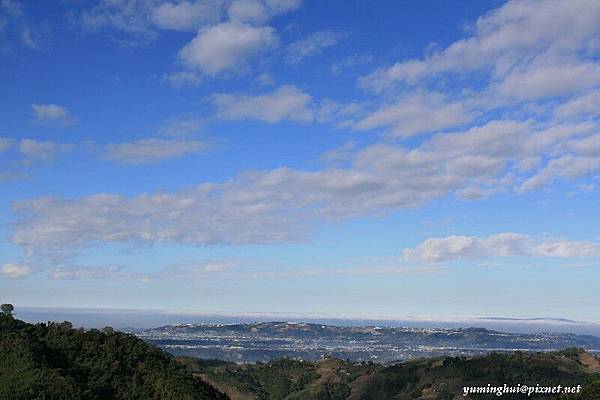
[257, 11]
[517, 114]
[227, 47]
[352, 61]
[417, 113]
[581, 188]
[9, 176]
[138, 22]
[190, 270]
[12, 8]
[182, 79]
[14, 271]
[266, 79]
[52, 114]
[582, 106]
[42, 150]
[152, 150]
[550, 80]
[286, 102]
[127, 22]
[76, 273]
[507, 244]
[16, 28]
[312, 45]
[5, 144]
[284, 205]
[180, 126]
[27, 38]
[528, 48]
[186, 15]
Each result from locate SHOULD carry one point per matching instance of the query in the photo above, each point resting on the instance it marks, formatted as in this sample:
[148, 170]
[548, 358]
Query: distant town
[265, 341]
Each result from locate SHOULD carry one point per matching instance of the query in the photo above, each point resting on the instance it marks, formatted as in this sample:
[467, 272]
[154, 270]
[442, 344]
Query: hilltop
[55, 361]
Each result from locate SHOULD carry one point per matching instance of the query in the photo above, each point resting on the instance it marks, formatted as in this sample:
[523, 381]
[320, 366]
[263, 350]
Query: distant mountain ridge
[263, 341]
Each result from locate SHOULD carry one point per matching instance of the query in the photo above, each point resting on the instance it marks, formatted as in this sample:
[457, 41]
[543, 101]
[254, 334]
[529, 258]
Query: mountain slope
[54, 361]
[441, 378]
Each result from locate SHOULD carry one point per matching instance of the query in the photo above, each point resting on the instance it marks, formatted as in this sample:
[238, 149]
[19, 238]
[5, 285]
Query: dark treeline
[55, 361]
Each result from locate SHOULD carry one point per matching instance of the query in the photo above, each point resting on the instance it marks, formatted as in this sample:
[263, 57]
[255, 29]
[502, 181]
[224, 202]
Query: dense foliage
[55, 361]
[265, 381]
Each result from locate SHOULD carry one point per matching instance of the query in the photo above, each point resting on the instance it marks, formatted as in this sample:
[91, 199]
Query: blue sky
[342, 158]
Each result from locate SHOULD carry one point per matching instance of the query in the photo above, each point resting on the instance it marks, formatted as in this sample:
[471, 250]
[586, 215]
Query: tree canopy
[55, 361]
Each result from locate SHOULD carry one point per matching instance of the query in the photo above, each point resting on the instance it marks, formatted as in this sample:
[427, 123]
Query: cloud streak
[14, 271]
[506, 244]
[52, 114]
[284, 205]
[286, 102]
[152, 150]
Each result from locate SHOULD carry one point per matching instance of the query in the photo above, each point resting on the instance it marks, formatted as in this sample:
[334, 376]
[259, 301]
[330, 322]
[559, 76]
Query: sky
[339, 158]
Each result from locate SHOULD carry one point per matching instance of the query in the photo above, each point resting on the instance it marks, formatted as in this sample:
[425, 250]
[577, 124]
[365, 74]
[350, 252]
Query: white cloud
[27, 38]
[352, 61]
[257, 11]
[286, 102]
[537, 82]
[585, 105]
[52, 114]
[282, 6]
[131, 17]
[511, 39]
[152, 150]
[581, 188]
[499, 245]
[180, 126]
[187, 15]
[5, 144]
[76, 273]
[312, 45]
[16, 26]
[45, 151]
[266, 79]
[183, 79]
[340, 114]
[227, 47]
[8, 176]
[418, 113]
[14, 271]
[12, 7]
[137, 22]
[190, 270]
[284, 205]
[252, 11]
[567, 166]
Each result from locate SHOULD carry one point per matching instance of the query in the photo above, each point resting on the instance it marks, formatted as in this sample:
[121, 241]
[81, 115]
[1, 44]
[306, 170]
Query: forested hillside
[440, 378]
[55, 361]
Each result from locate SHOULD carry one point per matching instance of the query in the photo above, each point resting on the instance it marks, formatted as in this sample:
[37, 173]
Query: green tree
[7, 309]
